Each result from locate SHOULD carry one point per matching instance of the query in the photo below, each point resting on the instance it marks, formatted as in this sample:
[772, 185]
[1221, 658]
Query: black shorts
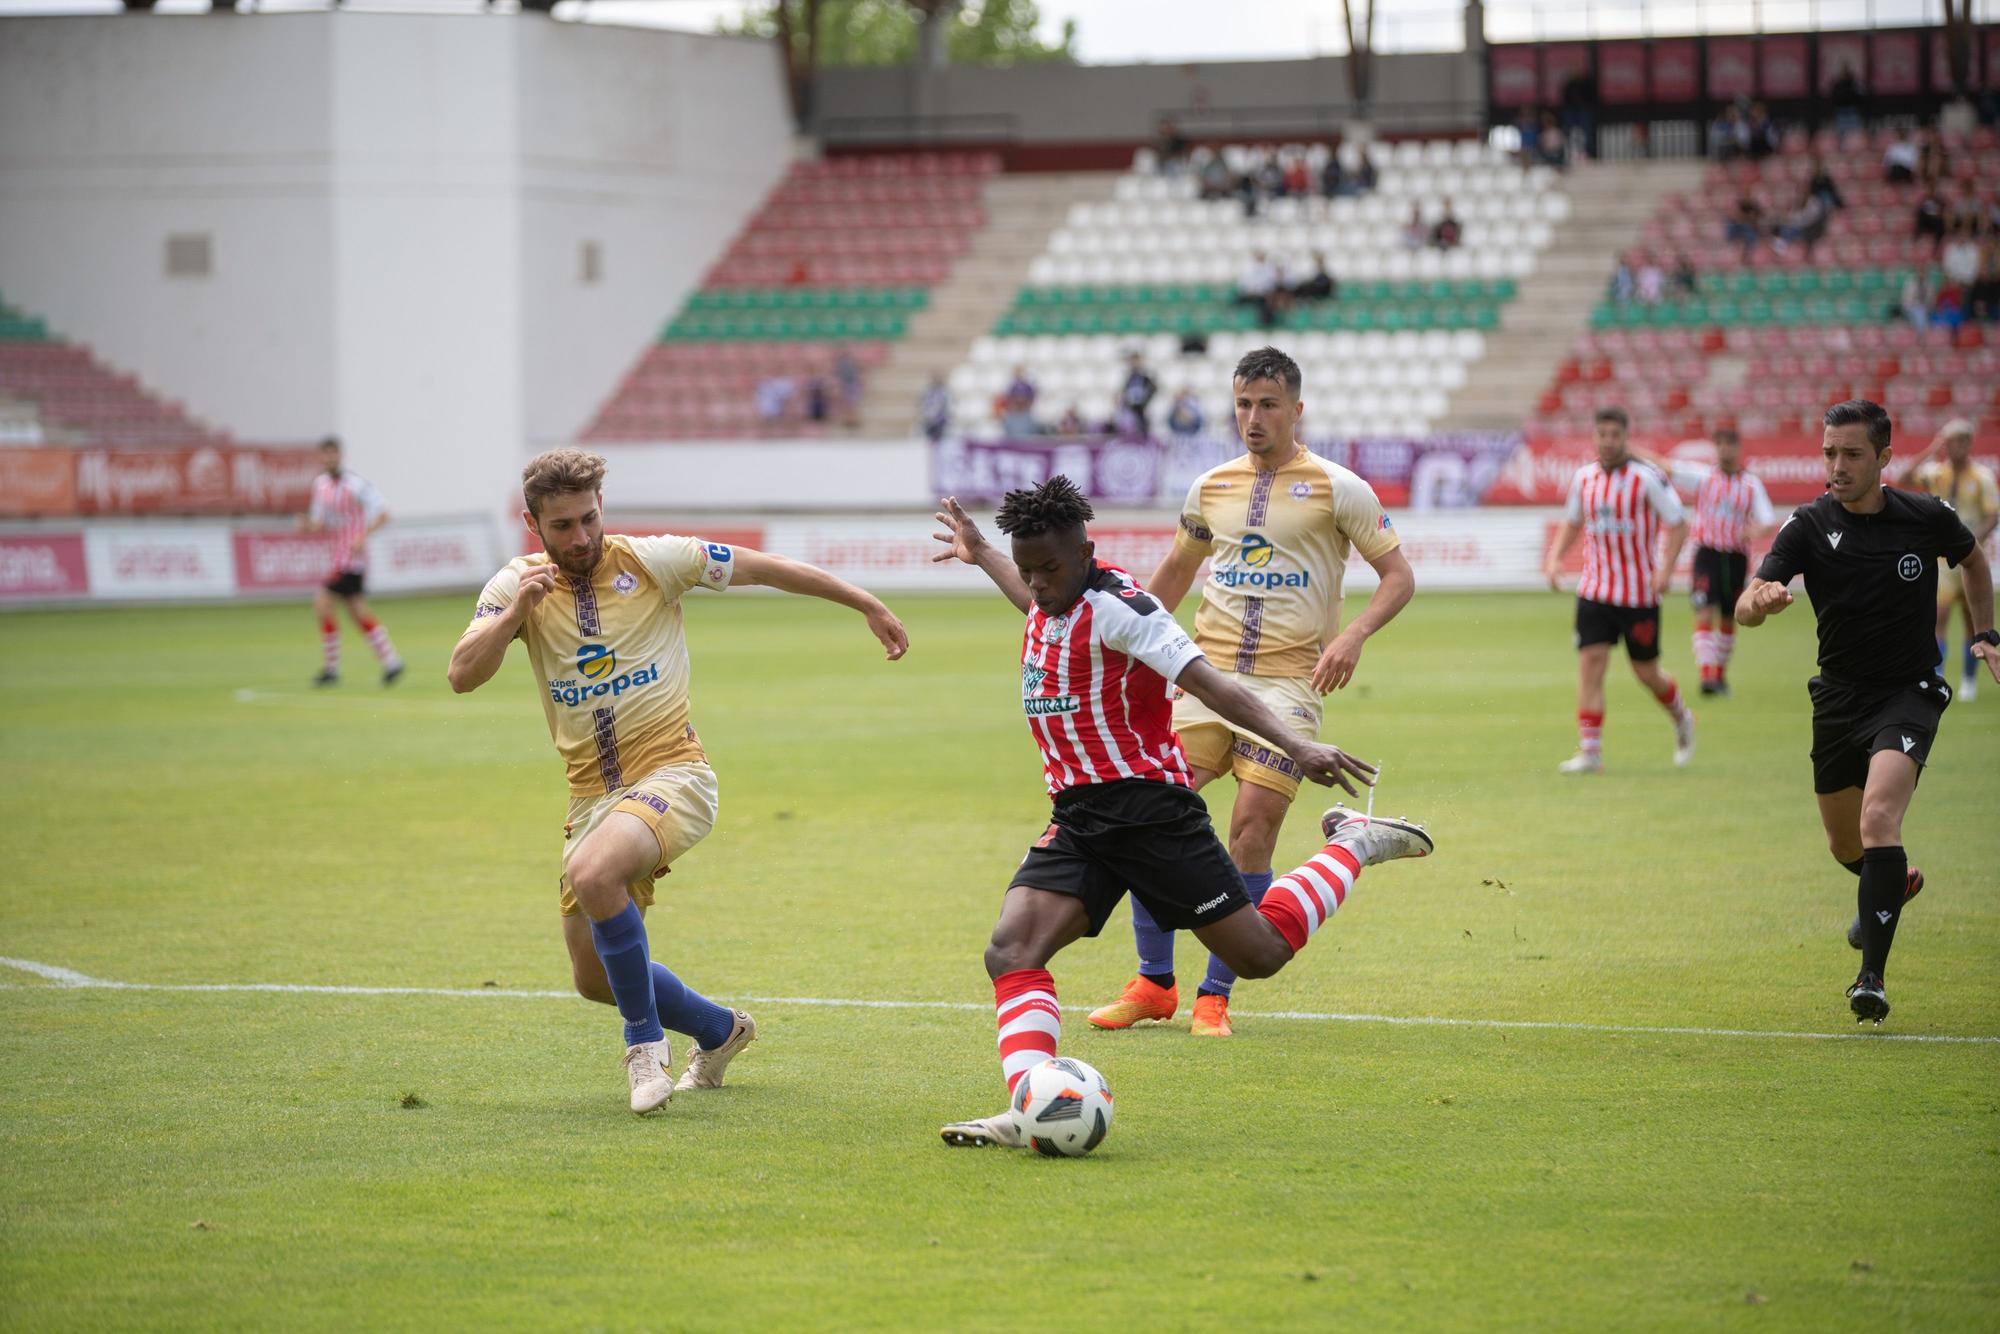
[1718, 579]
[1851, 723]
[1602, 623]
[346, 584]
[1153, 839]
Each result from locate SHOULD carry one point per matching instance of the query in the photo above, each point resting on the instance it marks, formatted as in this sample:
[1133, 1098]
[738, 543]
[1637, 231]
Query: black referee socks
[1885, 873]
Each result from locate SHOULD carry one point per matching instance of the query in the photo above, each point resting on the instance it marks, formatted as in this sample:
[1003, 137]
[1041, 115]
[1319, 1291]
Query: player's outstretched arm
[483, 646]
[1566, 536]
[1325, 765]
[1762, 598]
[1398, 584]
[760, 569]
[963, 541]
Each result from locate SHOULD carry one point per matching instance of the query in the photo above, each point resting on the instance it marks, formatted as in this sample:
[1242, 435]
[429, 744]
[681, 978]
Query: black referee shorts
[1602, 623]
[1851, 723]
[1153, 839]
[1718, 581]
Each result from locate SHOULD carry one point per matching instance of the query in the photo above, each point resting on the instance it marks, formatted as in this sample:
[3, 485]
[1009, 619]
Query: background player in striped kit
[1948, 471]
[1732, 513]
[1619, 506]
[347, 506]
[1097, 658]
[1279, 523]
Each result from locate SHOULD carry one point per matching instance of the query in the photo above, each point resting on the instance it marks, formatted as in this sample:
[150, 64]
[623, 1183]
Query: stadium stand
[59, 392]
[1157, 267]
[841, 255]
[1828, 319]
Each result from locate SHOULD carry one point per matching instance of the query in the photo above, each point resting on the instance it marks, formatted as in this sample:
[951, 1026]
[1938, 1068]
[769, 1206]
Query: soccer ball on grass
[1063, 1108]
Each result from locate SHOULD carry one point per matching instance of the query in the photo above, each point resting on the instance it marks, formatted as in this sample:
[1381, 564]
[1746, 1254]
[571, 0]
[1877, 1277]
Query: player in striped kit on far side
[1732, 512]
[346, 506]
[1620, 507]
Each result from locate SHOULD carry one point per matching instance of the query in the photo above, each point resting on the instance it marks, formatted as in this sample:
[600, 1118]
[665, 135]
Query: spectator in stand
[1184, 417]
[1761, 132]
[1136, 394]
[1728, 135]
[1949, 308]
[1322, 286]
[1271, 181]
[1848, 101]
[1959, 260]
[1364, 174]
[774, 399]
[1919, 296]
[1017, 415]
[1685, 278]
[1333, 176]
[1933, 163]
[1579, 112]
[1216, 181]
[1021, 387]
[1071, 422]
[1930, 219]
[1624, 281]
[934, 409]
[1171, 150]
[819, 400]
[1820, 182]
[1124, 423]
[1247, 193]
[1899, 160]
[847, 374]
[1651, 282]
[1258, 288]
[1982, 296]
[1298, 177]
[1805, 225]
[1415, 233]
[1747, 226]
[1448, 232]
[1551, 144]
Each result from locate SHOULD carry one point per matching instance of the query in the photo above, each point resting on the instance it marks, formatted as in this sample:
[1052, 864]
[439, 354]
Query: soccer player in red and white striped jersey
[347, 507]
[1732, 511]
[1098, 661]
[1620, 506]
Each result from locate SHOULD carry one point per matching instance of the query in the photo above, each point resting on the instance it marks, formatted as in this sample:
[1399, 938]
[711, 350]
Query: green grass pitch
[180, 809]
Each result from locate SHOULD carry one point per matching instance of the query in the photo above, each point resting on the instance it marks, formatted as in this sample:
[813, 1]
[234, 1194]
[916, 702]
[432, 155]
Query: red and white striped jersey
[1096, 685]
[345, 506]
[1726, 506]
[1623, 513]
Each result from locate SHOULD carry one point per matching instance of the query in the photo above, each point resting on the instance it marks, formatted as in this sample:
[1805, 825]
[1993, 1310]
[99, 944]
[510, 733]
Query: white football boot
[998, 1132]
[1374, 839]
[705, 1067]
[1684, 740]
[1583, 762]
[647, 1065]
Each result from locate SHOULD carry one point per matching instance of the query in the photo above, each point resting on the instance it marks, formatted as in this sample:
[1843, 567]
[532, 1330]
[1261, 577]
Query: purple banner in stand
[1111, 472]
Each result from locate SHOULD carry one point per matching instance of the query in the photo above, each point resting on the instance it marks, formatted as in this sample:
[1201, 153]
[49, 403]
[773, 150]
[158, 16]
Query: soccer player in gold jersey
[1948, 471]
[1278, 523]
[601, 619]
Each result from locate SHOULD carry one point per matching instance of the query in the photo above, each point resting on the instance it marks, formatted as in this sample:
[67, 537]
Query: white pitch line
[70, 979]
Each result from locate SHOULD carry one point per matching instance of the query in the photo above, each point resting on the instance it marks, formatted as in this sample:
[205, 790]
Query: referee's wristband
[1987, 637]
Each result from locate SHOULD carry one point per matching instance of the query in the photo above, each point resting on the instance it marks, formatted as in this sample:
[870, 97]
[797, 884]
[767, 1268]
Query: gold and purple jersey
[1278, 543]
[610, 657]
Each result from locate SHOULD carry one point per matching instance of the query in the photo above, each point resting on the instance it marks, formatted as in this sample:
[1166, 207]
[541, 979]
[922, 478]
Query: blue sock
[1941, 652]
[685, 1010]
[1220, 979]
[1156, 947]
[621, 944]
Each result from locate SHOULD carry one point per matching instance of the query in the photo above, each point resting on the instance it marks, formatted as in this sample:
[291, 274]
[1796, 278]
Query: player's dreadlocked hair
[1054, 506]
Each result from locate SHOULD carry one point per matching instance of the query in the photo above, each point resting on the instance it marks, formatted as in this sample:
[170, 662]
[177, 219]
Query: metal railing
[990, 127]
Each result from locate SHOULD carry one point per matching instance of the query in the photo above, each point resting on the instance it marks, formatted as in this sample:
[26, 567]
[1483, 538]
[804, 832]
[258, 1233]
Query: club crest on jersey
[594, 662]
[1055, 628]
[1301, 490]
[1910, 566]
[625, 582]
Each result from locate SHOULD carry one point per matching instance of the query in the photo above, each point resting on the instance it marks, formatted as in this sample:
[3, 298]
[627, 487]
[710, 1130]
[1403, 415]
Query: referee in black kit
[1869, 556]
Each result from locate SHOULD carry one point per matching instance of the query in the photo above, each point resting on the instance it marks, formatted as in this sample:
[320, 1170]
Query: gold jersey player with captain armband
[601, 619]
[1278, 523]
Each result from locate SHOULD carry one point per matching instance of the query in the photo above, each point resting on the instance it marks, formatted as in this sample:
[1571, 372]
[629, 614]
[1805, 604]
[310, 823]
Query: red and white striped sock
[1725, 645]
[1704, 648]
[1299, 902]
[1670, 700]
[1024, 1005]
[1590, 732]
[329, 644]
[378, 639]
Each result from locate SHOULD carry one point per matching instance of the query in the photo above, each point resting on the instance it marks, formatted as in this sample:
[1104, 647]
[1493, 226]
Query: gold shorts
[1219, 746]
[678, 803]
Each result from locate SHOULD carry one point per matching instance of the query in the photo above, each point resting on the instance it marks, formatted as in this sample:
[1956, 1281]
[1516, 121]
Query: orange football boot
[1141, 1002]
[1211, 1017]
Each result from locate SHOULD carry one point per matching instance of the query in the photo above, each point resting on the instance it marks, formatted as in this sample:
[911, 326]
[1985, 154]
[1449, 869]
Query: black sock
[1884, 875]
[1164, 981]
[1855, 865]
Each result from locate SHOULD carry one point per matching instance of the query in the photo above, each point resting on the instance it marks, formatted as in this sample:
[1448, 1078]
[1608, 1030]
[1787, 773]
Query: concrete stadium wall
[396, 205]
[1058, 103]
